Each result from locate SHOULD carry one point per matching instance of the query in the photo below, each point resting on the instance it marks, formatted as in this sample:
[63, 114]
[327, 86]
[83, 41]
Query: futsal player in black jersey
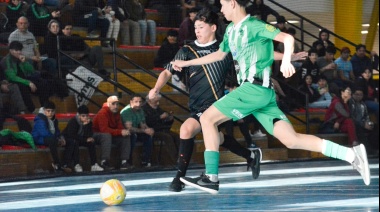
[206, 85]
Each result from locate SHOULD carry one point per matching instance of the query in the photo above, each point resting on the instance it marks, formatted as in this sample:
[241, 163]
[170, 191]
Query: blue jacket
[41, 129]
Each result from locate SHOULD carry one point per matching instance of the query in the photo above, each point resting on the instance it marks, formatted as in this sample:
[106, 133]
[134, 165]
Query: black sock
[231, 144]
[186, 147]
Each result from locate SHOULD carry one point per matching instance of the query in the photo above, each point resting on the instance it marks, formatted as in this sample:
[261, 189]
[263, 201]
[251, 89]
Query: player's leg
[357, 155]
[188, 130]
[253, 157]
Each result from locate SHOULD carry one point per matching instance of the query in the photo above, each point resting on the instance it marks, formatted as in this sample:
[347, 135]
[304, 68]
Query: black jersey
[206, 82]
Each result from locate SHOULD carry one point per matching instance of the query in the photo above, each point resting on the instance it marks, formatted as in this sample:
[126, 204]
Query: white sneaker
[96, 168]
[361, 163]
[78, 168]
[258, 134]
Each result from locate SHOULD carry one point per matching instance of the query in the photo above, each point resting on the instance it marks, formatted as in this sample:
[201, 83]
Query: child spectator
[363, 124]
[114, 28]
[46, 132]
[168, 49]
[323, 42]
[338, 118]
[79, 132]
[39, 16]
[310, 67]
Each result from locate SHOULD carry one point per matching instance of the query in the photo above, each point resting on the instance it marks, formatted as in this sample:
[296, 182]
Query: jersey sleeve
[181, 55]
[265, 30]
[224, 46]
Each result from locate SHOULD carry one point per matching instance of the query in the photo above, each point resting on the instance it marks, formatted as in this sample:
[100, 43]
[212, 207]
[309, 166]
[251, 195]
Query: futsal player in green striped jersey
[250, 41]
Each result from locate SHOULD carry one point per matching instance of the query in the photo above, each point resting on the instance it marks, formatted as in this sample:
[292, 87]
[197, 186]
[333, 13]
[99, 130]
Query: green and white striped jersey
[250, 43]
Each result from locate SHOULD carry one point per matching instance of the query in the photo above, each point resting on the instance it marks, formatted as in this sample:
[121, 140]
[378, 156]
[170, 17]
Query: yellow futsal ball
[113, 192]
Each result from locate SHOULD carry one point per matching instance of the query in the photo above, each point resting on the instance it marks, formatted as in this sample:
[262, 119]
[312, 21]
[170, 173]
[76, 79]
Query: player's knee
[185, 133]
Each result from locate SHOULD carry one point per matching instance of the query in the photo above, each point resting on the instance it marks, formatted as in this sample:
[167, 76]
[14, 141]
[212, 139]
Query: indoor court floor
[322, 185]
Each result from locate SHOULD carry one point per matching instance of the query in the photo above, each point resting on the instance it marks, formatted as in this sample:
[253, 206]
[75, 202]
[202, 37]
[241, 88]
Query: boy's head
[49, 109]
[357, 94]
[322, 81]
[83, 113]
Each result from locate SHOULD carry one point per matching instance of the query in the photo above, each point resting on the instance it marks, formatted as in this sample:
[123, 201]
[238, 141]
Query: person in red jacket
[108, 128]
[337, 117]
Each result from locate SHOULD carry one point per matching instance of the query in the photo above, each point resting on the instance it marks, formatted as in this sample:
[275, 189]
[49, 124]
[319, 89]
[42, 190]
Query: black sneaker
[203, 183]
[106, 166]
[176, 185]
[254, 164]
[124, 166]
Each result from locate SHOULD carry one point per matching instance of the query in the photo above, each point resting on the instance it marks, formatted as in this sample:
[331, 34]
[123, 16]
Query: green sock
[334, 150]
[211, 162]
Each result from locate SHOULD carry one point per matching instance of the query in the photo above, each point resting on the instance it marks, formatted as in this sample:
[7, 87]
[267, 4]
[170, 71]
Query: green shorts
[252, 99]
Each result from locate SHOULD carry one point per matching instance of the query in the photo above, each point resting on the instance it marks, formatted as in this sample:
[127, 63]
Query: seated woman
[337, 117]
[319, 96]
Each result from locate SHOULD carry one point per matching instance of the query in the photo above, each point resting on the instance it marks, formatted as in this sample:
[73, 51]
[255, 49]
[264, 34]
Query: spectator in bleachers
[39, 16]
[46, 132]
[338, 118]
[15, 9]
[328, 68]
[370, 92]
[11, 90]
[323, 42]
[168, 49]
[363, 124]
[319, 96]
[31, 48]
[161, 122]
[133, 118]
[88, 13]
[137, 13]
[20, 72]
[114, 28]
[130, 32]
[310, 67]
[108, 129]
[79, 50]
[261, 11]
[186, 31]
[360, 61]
[170, 9]
[280, 46]
[344, 67]
[186, 6]
[281, 23]
[79, 132]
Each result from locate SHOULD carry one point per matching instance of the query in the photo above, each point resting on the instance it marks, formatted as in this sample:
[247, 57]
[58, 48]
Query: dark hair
[210, 17]
[320, 77]
[360, 46]
[49, 105]
[83, 109]
[291, 31]
[16, 45]
[324, 31]
[243, 3]
[357, 88]
[312, 50]
[135, 95]
[63, 25]
[331, 49]
[173, 32]
[281, 19]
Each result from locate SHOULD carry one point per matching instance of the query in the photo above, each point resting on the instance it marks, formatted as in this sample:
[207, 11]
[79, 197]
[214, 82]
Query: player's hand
[153, 93]
[287, 69]
[178, 64]
[299, 56]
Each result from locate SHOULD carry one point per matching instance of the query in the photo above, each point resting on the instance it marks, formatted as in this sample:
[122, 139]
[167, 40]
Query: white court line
[169, 179]
[360, 202]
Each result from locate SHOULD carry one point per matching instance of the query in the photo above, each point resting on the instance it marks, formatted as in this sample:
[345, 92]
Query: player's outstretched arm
[286, 68]
[213, 57]
[163, 78]
[295, 57]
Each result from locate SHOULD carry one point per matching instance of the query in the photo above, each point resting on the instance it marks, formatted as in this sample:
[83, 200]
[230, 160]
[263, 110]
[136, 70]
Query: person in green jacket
[22, 73]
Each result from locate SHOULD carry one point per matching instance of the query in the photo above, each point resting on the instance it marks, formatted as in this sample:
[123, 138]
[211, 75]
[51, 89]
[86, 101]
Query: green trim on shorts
[252, 99]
